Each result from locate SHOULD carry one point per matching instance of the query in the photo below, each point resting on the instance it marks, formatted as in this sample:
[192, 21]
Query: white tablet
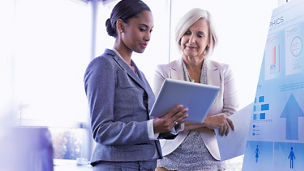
[198, 98]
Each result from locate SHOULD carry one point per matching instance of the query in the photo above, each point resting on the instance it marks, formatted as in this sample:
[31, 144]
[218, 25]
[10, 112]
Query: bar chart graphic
[272, 57]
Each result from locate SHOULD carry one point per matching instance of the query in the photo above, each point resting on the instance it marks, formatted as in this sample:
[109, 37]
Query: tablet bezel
[197, 97]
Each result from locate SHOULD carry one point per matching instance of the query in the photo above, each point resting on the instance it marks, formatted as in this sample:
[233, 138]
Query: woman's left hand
[220, 122]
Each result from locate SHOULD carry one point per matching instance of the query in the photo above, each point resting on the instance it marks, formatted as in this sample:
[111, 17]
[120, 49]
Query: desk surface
[64, 165]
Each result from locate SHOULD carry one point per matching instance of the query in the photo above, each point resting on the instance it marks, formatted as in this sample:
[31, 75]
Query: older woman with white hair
[196, 147]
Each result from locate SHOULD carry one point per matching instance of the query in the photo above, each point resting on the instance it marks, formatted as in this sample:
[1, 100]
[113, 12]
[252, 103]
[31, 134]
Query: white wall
[52, 50]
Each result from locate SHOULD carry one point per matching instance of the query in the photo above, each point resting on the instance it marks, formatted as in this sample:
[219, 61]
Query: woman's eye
[187, 33]
[142, 29]
[200, 35]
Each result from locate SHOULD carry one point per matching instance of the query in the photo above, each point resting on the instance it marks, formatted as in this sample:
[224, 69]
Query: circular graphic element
[296, 46]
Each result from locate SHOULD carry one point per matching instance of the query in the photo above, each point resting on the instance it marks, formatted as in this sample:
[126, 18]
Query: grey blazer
[226, 101]
[119, 102]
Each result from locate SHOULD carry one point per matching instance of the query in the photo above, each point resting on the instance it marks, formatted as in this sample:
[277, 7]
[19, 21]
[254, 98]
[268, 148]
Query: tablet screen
[198, 98]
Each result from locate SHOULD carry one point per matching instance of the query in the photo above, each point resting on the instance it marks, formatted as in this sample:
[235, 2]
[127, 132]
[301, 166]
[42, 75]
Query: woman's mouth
[143, 45]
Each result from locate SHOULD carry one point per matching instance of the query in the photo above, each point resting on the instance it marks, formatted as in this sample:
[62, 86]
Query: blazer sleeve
[100, 80]
[230, 96]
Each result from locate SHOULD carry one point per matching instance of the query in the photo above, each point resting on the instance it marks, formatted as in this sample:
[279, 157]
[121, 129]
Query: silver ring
[175, 122]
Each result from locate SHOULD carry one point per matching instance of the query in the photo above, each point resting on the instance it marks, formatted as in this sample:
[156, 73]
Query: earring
[121, 31]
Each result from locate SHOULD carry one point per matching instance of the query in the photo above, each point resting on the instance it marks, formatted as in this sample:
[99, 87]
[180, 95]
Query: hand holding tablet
[198, 98]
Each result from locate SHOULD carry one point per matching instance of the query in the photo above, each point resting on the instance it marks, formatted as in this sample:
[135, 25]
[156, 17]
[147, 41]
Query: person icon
[291, 157]
[257, 153]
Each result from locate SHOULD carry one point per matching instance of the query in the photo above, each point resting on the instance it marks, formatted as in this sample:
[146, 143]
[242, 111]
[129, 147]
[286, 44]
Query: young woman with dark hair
[120, 98]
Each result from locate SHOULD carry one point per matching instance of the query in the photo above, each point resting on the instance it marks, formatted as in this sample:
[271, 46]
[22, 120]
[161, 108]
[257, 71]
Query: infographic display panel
[276, 134]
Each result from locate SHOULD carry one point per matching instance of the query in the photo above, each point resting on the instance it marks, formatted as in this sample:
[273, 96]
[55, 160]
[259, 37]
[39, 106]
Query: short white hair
[188, 20]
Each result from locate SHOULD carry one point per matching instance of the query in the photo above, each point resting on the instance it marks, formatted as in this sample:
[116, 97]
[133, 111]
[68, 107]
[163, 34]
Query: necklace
[203, 73]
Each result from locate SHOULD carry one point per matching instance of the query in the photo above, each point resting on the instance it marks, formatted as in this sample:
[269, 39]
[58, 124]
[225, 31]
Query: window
[69, 143]
[6, 52]
[52, 50]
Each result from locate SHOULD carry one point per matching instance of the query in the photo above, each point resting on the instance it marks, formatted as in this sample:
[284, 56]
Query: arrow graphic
[291, 112]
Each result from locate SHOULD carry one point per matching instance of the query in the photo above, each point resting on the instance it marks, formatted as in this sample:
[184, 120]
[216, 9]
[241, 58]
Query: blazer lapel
[139, 79]
[213, 74]
[176, 70]
[126, 68]
[147, 88]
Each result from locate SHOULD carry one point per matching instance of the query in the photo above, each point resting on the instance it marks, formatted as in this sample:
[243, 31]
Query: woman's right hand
[166, 122]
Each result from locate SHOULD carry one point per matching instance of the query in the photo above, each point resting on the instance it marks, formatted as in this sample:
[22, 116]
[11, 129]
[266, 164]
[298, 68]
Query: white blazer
[218, 74]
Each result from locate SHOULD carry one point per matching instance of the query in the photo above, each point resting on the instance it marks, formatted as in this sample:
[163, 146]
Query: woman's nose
[147, 36]
[192, 39]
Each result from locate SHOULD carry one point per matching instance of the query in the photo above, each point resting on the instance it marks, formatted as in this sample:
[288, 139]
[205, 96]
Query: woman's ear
[120, 26]
[207, 47]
